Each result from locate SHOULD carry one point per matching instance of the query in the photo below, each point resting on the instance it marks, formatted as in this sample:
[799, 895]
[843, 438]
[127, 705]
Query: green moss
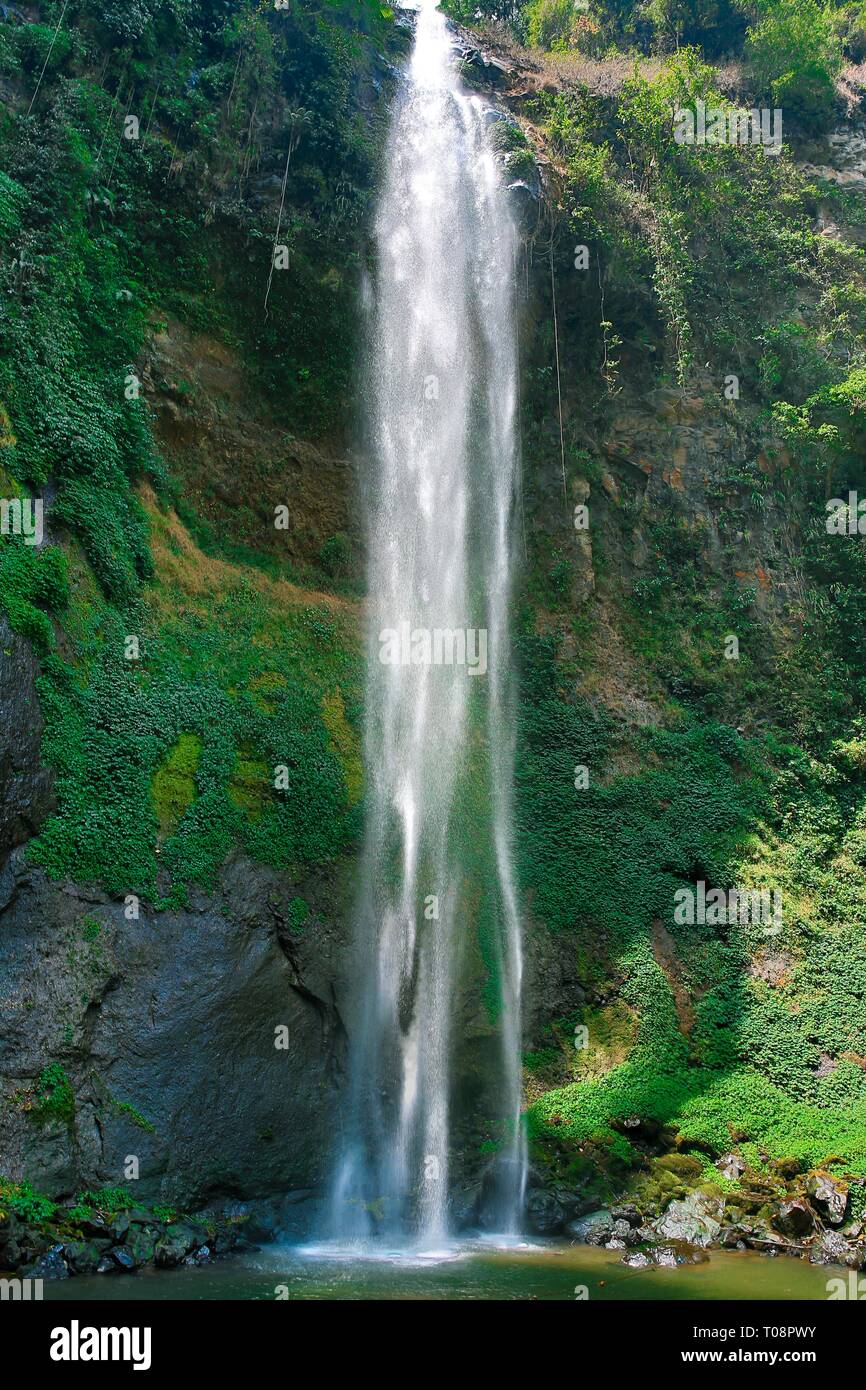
[542, 1059]
[611, 1033]
[173, 783]
[298, 913]
[53, 1097]
[249, 786]
[179, 745]
[123, 1107]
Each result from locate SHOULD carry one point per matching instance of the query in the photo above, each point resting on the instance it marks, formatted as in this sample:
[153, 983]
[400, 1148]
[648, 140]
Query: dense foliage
[244, 128]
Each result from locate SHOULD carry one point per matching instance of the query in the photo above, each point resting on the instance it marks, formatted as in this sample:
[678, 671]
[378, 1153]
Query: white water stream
[442, 395]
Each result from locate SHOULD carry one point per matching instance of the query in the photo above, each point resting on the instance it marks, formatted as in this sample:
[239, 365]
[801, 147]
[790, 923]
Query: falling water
[442, 398]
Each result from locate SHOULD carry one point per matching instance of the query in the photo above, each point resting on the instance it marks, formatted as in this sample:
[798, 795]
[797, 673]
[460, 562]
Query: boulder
[832, 1248]
[84, 1256]
[174, 1244]
[50, 1265]
[637, 1259]
[140, 1243]
[794, 1218]
[200, 1256]
[124, 1258]
[828, 1195]
[696, 1220]
[594, 1229]
[627, 1212]
[544, 1214]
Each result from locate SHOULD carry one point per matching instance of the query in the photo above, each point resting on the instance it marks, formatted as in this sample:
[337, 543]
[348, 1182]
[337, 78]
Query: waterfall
[441, 403]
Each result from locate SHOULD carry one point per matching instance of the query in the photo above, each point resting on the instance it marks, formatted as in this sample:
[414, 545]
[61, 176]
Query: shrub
[550, 23]
[796, 54]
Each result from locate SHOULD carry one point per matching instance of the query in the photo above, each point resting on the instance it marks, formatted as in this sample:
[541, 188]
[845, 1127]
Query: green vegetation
[749, 772]
[153, 757]
[53, 1097]
[166, 754]
[107, 1201]
[123, 1107]
[23, 1202]
[792, 51]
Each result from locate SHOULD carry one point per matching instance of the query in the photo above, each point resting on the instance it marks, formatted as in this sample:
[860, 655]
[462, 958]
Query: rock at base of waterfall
[594, 1229]
[544, 1214]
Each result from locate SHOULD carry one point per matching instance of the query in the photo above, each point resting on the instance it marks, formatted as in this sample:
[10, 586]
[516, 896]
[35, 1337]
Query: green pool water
[550, 1271]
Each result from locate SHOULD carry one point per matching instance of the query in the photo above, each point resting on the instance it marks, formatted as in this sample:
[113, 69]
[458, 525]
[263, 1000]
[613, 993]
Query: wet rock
[175, 1244]
[200, 1256]
[637, 1259]
[832, 1248]
[545, 1215]
[594, 1229]
[758, 1234]
[686, 1254]
[525, 206]
[94, 1226]
[829, 1195]
[794, 1218]
[124, 1258]
[695, 1220]
[627, 1212]
[162, 983]
[117, 1227]
[497, 1183]
[84, 1256]
[51, 1265]
[140, 1244]
[467, 1210]
[731, 1166]
[729, 1238]
[625, 1232]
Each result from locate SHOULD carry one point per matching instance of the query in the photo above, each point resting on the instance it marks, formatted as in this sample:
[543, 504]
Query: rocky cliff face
[199, 1051]
[25, 786]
